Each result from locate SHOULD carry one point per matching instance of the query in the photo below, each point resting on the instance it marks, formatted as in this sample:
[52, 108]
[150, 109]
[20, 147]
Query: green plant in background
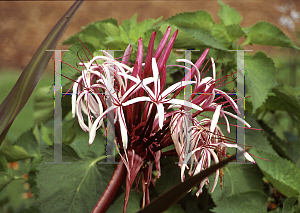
[246, 188]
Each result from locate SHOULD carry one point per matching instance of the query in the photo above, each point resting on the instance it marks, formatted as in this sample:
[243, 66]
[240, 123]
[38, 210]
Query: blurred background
[24, 24]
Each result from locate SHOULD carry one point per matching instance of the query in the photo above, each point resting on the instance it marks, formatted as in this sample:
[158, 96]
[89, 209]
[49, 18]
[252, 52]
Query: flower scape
[149, 117]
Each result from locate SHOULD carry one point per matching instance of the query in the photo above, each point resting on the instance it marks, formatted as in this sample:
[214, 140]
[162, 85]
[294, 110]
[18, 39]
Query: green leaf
[94, 33]
[205, 38]
[5, 179]
[14, 153]
[234, 31]
[74, 187]
[289, 150]
[133, 203]
[3, 164]
[43, 105]
[288, 205]
[183, 39]
[34, 208]
[31, 75]
[247, 202]
[195, 20]
[77, 52]
[256, 138]
[29, 143]
[282, 173]
[227, 34]
[141, 28]
[287, 98]
[228, 15]
[238, 178]
[260, 77]
[168, 166]
[191, 38]
[164, 201]
[264, 33]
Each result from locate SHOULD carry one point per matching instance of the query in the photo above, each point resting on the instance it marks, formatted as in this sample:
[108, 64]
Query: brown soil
[24, 25]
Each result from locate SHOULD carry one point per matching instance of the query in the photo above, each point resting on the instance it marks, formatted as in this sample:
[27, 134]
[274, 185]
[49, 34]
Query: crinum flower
[144, 124]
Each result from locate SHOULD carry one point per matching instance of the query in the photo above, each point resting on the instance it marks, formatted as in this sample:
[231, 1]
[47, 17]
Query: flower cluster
[144, 125]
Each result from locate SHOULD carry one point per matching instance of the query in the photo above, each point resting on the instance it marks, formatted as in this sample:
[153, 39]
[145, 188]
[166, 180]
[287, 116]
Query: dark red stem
[111, 189]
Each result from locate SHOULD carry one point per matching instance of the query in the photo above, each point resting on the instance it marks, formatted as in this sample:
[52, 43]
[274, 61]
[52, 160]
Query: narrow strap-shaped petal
[94, 127]
[184, 103]
[123, 127]
[246, 154]
[163, 78]
[148, 60]
[156, 79]
[198, 64]
[74, 94]
[166, 53]
[126, 54]
[160, 112]
[213, 68]
[237, 117]
[193, 65]
[215, 157]
[136, 100]
[215, 120]
[162, 43]
[174, 87]
[230, 100]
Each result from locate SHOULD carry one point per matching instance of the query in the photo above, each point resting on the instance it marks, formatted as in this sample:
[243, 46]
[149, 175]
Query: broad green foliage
[71, 58]
[92, 32]
[74, 187]
[288, 205]
[264, 33]
[5, 177]
[227, 34]
[204, 37]
[242, 190]
[173, 195]
[14, 153]
[282, 173]
[133, 203]
[195, 20]
[247, 202]
[256, 138]
[288, 98]
[260, 77]
[228, 15]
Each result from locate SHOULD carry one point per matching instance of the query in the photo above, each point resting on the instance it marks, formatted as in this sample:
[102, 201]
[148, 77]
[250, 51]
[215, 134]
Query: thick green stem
[111, 189]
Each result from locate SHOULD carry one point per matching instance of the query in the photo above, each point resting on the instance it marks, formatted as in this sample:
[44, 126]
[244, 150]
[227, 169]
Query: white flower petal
[175, 86]
[155, 76]
[246, 154]
[238, 118]
[184, 103]
[161, 115]
[135, 100]
[215, 119]
[95, 125]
